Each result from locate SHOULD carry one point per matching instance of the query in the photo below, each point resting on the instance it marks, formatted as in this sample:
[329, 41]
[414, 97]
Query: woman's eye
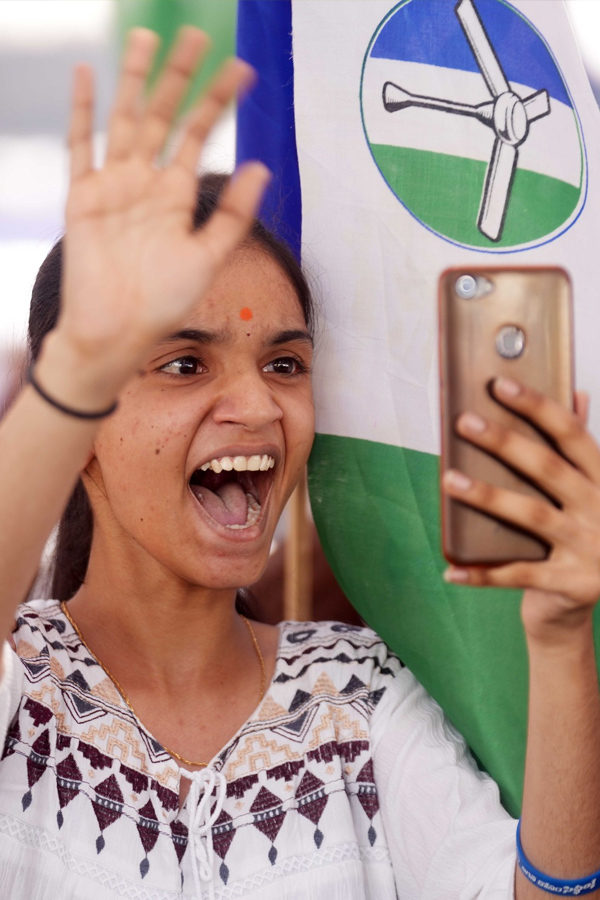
[184, 365]
[285, 365]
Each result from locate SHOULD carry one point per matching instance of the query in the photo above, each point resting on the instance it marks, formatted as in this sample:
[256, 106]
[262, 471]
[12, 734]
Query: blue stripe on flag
[428, 31]
[266, 128]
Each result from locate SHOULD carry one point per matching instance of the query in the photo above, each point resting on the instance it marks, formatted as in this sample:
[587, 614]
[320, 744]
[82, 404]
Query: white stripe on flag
[551, 148]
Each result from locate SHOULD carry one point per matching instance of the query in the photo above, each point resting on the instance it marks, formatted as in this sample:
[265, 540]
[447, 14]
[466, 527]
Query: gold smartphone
[512, 322]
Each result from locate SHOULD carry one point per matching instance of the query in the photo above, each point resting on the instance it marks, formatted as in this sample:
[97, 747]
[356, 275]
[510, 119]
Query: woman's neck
[181, 656]
[157, 628]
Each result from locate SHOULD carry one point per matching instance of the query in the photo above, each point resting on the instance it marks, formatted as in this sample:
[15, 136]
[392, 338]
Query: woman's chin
[225, 564]
[228, 578]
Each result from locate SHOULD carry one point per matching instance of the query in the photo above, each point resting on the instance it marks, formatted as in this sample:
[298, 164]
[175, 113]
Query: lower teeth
[254, 508]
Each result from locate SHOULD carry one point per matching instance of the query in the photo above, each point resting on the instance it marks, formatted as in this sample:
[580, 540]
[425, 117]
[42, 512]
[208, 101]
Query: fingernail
[507, 386]
[472, 422]
[457, 480]
[458, 576]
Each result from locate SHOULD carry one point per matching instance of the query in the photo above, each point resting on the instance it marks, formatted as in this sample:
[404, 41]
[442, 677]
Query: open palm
[134, 266]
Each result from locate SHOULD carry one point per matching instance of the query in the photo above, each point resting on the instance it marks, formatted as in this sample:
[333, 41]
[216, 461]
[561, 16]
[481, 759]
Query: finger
[189, 49]
[81, 123]
[541, 575]
[574, 582]
[582, 405]
[559, 423]
[535, 516]
[234, 76]
[233, 217]
[537, 461]
[124, 119]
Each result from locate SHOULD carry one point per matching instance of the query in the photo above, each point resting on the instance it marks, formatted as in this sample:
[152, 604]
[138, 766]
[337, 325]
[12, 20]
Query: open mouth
[233, 489]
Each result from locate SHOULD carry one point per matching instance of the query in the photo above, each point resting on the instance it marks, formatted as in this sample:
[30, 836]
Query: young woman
[157, 744]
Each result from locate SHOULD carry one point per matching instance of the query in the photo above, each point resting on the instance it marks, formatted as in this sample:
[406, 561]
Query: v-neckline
[222, 754]
[219, 759]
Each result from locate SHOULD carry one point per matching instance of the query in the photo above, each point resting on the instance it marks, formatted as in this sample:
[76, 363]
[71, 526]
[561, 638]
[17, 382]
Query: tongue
[227, 504]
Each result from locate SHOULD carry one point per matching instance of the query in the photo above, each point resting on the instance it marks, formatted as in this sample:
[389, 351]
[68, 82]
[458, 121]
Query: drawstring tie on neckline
[204, 785]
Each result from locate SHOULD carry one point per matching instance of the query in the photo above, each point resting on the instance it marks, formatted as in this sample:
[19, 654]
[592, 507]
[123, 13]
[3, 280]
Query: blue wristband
[554, 885]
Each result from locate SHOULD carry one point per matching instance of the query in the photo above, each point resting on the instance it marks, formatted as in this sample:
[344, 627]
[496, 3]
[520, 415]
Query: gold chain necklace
[187, 762]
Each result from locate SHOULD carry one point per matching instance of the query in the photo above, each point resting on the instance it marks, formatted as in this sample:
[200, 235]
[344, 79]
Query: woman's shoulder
[356, 637]
[348, 656]
[39, 623]
[47, 646]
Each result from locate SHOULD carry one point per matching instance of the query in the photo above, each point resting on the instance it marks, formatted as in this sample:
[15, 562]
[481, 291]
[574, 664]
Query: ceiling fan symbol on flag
[508, 114]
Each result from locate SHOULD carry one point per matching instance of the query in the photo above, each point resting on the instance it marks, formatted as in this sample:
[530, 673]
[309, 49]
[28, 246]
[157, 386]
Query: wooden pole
[298, 567]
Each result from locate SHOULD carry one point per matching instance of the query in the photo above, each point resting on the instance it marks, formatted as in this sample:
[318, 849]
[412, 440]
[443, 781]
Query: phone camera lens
[510, 342]
[466, 287]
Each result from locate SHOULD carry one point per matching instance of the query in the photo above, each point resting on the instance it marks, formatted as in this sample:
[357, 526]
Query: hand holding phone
[513, 323]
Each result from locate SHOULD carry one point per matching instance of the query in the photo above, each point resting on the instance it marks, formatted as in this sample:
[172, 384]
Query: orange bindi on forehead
[246, 314]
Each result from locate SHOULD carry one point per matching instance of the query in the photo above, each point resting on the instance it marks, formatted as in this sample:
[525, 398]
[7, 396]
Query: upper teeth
[240, 463]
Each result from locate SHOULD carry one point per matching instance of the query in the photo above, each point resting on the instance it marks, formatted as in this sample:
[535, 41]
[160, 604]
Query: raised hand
[133, 264]
[569, 579]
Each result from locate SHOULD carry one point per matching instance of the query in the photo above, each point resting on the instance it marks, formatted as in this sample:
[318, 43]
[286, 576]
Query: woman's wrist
[553, 622]
[78, 379]
[569, 650]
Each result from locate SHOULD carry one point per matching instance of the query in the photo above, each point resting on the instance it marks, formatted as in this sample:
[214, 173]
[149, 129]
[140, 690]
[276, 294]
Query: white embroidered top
[346, 783]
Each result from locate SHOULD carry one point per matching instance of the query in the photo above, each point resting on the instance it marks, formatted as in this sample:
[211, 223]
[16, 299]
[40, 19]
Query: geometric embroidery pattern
[88, 769]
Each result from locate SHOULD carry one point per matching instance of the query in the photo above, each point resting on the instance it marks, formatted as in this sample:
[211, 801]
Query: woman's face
[195, 467]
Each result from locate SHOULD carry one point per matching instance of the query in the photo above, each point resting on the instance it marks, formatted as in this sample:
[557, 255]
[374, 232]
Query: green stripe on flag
[444, 192]
[376, 507]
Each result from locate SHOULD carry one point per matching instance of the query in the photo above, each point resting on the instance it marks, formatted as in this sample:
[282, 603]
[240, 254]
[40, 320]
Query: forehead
[251, 289]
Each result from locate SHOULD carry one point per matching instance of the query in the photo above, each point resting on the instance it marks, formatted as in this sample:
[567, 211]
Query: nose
[246, 399]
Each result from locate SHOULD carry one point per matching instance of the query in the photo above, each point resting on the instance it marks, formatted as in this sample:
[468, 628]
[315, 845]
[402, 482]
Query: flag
[421, 153]
[406, 138]
[166, 17]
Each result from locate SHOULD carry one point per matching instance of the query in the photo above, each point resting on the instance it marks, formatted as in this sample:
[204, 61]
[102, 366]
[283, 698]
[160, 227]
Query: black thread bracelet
[67, 410]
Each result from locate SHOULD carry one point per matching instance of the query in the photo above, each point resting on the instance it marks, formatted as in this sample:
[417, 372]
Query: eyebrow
[199, 336]
[196, 336]
[289, 337]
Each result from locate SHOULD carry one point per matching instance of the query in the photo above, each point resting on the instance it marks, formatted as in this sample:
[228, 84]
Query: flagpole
[298, 563]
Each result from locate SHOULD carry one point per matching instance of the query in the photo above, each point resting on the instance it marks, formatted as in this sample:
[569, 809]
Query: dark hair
[74, 537]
